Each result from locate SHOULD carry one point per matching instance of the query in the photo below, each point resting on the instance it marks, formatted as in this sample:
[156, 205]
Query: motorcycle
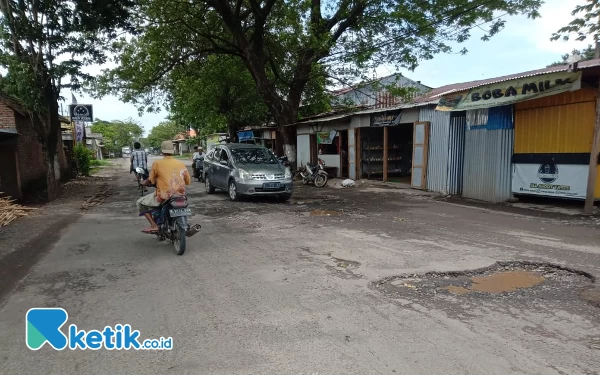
[199, 169]
[171, 218]
[315, 174]
[141, 175]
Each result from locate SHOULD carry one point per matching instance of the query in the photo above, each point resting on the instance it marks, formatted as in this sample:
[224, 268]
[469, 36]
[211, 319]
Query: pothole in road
[323, 213]
[501, 280]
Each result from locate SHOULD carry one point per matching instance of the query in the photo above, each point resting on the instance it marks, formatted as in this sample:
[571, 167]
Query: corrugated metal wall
[456, 153]
[561, 123]
[446, 139]
[488, 151]
[437, 159]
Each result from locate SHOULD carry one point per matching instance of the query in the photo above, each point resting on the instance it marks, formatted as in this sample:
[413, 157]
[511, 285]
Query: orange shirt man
[170, 176]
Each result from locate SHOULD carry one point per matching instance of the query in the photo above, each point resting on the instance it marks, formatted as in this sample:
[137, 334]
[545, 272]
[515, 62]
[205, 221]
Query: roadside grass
[99, 163]
[184, 156]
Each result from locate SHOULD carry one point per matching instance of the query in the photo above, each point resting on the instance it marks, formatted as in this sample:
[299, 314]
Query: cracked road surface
[270, 288]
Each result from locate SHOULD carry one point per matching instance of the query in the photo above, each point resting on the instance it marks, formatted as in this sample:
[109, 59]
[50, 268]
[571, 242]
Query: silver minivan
[246, 170]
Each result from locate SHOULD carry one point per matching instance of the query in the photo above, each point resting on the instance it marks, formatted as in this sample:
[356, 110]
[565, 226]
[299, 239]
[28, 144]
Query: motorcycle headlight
[244, 175]
[288, 173]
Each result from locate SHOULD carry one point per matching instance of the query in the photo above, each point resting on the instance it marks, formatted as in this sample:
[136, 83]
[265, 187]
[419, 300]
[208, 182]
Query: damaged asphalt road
[337, 281]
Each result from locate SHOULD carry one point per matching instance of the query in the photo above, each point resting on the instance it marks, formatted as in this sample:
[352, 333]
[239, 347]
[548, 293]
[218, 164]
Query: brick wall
[7, 116]
[31, 158]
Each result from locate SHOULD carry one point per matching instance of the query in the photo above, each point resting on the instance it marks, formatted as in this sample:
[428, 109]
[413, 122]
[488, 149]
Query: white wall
[332, 161]
[360, 121]
[303, 149]
[409, 115]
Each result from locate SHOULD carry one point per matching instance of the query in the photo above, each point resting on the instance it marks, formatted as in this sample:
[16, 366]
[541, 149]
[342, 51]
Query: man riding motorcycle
[170, 176]
[197, 158]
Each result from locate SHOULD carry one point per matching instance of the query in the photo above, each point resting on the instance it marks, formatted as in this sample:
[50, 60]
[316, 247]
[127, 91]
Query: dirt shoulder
[25, 241]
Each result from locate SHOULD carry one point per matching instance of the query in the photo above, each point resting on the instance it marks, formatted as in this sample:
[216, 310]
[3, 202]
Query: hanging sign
[552, 180]
[79, 129]
[81, 112]
[511, 91]
[385, 119]
[326, 138]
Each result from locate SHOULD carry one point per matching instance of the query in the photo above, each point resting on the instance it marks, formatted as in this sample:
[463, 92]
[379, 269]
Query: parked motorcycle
[315, 174]
[286, 163]
[199, 169]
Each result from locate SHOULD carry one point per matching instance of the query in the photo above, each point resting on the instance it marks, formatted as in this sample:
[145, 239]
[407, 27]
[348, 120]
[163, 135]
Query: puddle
[499, 282]
[323, 213]
[508, 281]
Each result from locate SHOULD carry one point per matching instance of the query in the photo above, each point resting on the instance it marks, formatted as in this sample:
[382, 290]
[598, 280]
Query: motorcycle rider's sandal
[150, 231]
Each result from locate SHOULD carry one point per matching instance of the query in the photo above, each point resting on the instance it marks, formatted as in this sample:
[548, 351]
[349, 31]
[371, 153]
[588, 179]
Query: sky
[523, 45]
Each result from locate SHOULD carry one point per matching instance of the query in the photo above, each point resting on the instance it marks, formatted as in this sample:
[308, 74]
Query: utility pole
[593, 170]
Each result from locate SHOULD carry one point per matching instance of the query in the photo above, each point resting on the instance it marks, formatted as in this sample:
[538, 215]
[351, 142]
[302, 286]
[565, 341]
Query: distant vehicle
[126, 152]
[246, 170]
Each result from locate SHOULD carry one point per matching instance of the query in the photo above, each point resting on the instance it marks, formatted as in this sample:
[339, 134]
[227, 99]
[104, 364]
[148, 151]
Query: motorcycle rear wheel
[179, 240]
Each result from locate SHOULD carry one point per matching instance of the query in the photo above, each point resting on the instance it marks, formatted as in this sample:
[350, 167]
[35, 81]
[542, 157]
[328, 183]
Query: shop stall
[386, 148]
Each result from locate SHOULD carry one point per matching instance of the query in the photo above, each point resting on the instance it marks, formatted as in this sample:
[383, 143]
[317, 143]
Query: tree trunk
[50, 125]
[232, 128]
[284, 120]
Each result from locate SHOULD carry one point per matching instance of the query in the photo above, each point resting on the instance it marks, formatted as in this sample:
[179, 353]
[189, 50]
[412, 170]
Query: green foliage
[586, 25]
[214, 95]
[99, 163]
[291, 48]
[83, 157]
[118, 134]
[585, 54]
[164, 131]
[44, 46]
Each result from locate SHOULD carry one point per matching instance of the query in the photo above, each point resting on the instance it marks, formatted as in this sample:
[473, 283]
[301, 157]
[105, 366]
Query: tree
[215, 94]
[118, 134]
[585, 54]
[285, 45]
[44, 45]
[164, 131]
[584, 27]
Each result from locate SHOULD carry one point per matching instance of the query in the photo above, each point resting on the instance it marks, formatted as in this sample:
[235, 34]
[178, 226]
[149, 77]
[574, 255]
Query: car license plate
[180, 212]
[272, 185]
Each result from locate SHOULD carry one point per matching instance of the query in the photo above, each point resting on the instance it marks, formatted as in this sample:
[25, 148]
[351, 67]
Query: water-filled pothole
[503, 279]
[323, 213]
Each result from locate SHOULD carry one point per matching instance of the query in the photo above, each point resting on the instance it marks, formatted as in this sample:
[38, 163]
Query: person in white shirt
[198, 154]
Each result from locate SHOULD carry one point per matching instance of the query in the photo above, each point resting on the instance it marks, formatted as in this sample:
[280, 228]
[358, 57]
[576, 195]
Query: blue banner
[245, 135]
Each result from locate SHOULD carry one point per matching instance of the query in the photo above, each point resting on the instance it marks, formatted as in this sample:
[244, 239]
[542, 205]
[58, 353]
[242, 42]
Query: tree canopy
[585, 24]
[118, 134]
[214, 95]
[585, 54]
[44, 45]
[164, 131]
[288, 45]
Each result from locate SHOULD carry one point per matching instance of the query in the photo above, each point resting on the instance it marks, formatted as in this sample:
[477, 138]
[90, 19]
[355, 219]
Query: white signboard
[551, 180]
